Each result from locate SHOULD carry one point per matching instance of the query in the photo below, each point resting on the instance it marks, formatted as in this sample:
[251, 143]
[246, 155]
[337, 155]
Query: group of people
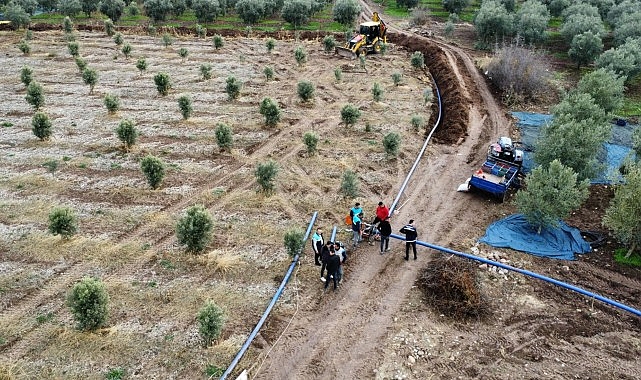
[330, 256]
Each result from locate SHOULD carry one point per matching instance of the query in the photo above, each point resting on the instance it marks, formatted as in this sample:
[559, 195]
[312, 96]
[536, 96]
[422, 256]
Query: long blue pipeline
[420, 154]
[275, 298]
[531, 274]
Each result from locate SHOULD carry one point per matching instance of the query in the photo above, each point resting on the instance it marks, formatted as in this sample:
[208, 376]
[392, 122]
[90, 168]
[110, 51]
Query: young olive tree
[270, 111]
[26, 75]
[377, 92]
[67, 25]
[109, 27]
[141, 64]
[35, 95]
[349, 184]
[293, 241]
[119, 39]
[550, 194]
[154, 170]
[41, 126]
[183, 53]
[126, 50]
[305, 90]
[163, 83]
[184, 103]
[224, 137]
[233, 87]
[397, 78]
[270, 45]
[194, 229]
[211, 320]
[90, 77]
[73, 48]
[127, 133]
[112, 103]
[266, 175]
[167, 40]
[310, 139]
[417, 122]
[392, 143]
[329, 43]
[24, 47]
[417, 60]
[350, 115]
[205, 71]
[269, 73]
[623, 216]
[218, 41]
[300, 55]
[63, 222]
[89, 303]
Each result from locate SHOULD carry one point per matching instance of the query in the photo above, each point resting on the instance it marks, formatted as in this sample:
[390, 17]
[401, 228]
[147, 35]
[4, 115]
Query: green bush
[26, 75]
[350, 115]
[338, 74]
[194, 229]
[126, 50]
[109, 27]
[269, 73]
[16, 15]
[127, 133]
[112, 103]
[270, 110]
[201, 31]
[132, 9]
[300, 55]
[417, 122]
[163, 83]
[311, 142]
[24, 47]
[305, 90]
[158, 10]
[183, 53]
[233, 87]
[349, 184]
[211, 319]
[377, 92]
[154, 170]
[141, 64]
[392, 143]
[73, 48]
[270, 45]
[205, 71]
[119, 39]
[184, 103]
[115, 373]
[293, 241]
[265, 175]
[329, 43]
[417, 60]
[41, 126]
[90, 77]
[167, 40]
[81, 63]
[397, 78]
[28, 35]
[218, 41]
[224, 137]
[428, 95]
[63, 222]
[89, 303]
[35, 95]
[67, 25]
[112, 8]
[69, 8]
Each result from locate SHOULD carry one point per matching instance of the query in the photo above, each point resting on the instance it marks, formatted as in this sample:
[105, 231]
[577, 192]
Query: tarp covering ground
[614, 154]
[516, 233]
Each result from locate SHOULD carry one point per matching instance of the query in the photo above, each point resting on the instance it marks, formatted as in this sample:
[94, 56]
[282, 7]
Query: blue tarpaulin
[516, 233]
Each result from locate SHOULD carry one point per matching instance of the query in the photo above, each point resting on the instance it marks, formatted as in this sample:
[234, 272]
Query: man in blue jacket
[410, 238]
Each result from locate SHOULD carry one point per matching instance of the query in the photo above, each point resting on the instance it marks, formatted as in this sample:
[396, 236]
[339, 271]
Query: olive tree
[35, 95]
[617, 11]
[89, 6]
[127, 133]
[349, 184]
[628, 27]
[584, 48]
[407, 4]
[112, 103]
[310, 139]
[350, 115]
[232, 87]
[41, 126]
[218, 42]
[625, 60]
[141, 64]
[345, 12]
[89, 303]
[532, 20]
[270, 111]
[605, 87]
[16, 15]
[158, 10]
[211, 320]
[392, 143]
[305, 90]
[224, 137]
[455, 6]
[69, 8]
[154, 170]
[623, 216]
[296, 12]
[184, 103]
[90, 77]
[63, 222]
[265, 176]
[493, 21]
[112, 9]
[26, 75]
[250, 11]
[329, 43]
[578, 23]
[163, 83]
[206, 10]
[550, 194]
[294, 241]
[194, 229]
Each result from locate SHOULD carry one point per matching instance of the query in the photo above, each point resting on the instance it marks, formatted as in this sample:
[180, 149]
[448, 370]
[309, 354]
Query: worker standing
[386, 230]
[356, 230]
[410, 238]
[317, 245]
[382, 212]
[333, 265]
[355, 211]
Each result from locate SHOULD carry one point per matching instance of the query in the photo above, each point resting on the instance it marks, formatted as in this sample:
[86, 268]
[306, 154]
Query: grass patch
[632, 101]
[634, 260]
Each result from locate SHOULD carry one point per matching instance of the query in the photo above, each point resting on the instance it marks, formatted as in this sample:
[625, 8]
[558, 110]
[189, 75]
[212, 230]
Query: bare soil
[377, 324]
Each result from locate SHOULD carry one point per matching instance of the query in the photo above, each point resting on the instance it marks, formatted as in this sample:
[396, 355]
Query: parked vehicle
[500, 171]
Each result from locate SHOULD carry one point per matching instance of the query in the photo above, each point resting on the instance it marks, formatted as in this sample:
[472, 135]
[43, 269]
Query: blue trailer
[495, 177]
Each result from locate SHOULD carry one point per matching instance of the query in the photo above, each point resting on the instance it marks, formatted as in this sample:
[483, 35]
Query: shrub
[154, 170]
[391, 143]
[141, 64]
[293, 241]
[205, 10]
[269, 73]
[90, 77]
[163, 83]
[397, 78]
[311, 141]
[218, 41]
[233, 87]
[132, 9]
[250, 11]
[338, 74]
[224, 137]
[183, 53]
[300, 55]
[329, 43]
[167, 40]
[377, 92]
[112, 103]
[265, 175]
[345, 12]
[350, 115]
[349, 185]
[158, 10]
[89, 302]
[455, 6]
[296, 12]
[118, 39]
[24, 47]
[211, 319]
[35, 95]
[26, 75]
[51, 166]
[69, 8]
[109, 27]
[127, 133]
[126, 50]
[112, 8]
[67, 25]
[73, 48]
[417, 60]
[115, 373]
[270, 44]
[201, 31]
[518, 71]
[417, 122]
[16, 15]
[305, 90]
[184, 103]
[428, 95]
[269, 109]
[63, 222]
[41, 126]
[194, 229]
[205, 71]
[81, 63]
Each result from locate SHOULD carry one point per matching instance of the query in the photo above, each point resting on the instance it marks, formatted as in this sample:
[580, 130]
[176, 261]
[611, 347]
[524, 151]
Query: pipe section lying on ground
[260, 323]
[531, 274]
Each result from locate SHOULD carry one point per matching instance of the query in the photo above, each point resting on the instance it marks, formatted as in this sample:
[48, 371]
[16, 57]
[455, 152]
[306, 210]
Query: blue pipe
[260, 323]
[528, 273]
[420, 154]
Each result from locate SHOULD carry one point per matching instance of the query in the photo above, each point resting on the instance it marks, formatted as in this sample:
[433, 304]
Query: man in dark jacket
[325, 257]
[333, 265]
[410, 238]
[386, 230]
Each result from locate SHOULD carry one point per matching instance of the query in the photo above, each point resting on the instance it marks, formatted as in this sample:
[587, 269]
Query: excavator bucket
[345, 52]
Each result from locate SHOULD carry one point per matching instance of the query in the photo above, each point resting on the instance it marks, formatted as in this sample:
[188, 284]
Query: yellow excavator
[370, 36]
